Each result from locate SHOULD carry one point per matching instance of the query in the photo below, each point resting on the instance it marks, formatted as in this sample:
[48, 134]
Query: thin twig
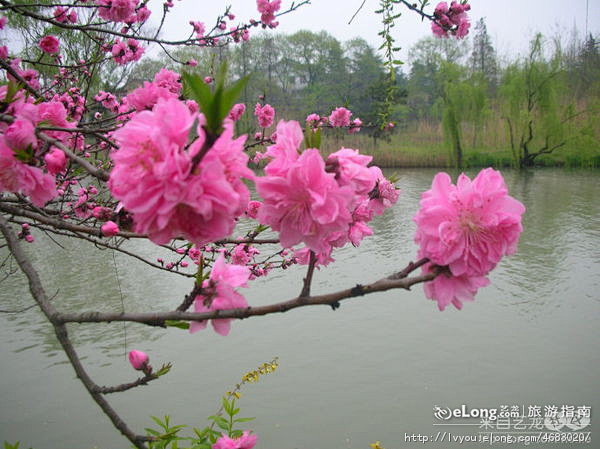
[357, 11]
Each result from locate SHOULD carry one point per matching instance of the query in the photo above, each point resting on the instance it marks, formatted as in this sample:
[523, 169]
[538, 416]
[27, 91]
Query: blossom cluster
[267, 9]
[124, 51]
[264, 114]
[27, 166]
[451, 20]
[159, 178]
[320, 203]
[466, 228]
[339, 118]
[127, 11]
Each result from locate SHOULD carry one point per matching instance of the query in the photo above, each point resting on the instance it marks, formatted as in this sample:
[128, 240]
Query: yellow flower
[376, 445]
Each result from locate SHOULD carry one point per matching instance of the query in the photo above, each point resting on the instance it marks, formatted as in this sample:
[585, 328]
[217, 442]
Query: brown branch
[60, 329]
[60, 224]
[189, 299]
[109, 246]
[22, 9]
[159, 318]
[357, 11]
[413, 7]
[97, 172]
[20, 79]
[128, 386]
[309, 275]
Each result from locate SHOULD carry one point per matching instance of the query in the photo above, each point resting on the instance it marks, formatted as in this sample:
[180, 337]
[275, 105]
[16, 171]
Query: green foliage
[225, 422]
[298, 74]
[536, 103]
[463, 101]
[483, 57]
[312, 137]
[8, 445]
[214, 104]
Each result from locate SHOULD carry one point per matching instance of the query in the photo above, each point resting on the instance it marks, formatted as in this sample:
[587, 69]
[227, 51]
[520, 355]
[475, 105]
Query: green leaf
[201, 434]
[231, 95]
[312, 139]
[178, 324]
[195, 88]
[227, 406]
[202, 445]
[221, 75]
[157, 421]
[239, 420]
[220, 421]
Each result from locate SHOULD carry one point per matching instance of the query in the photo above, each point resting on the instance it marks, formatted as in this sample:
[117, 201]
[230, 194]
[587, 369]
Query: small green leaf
[220, 421]
[239, 420]
[178, 324]
[227, 406]
[231, 95]
[195, 88]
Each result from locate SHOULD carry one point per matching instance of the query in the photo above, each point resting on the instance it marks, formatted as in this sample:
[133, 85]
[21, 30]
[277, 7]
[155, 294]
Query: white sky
[511, 23]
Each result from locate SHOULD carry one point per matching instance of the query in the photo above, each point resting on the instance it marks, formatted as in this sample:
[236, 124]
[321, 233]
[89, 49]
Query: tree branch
[60, 329]
[397, 280]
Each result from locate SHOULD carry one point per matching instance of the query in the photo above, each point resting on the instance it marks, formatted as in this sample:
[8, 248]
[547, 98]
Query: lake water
[372, 370]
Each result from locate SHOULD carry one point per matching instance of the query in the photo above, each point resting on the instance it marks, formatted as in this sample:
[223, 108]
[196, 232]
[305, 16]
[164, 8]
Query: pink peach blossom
[20, 135]
[218, 293]
[305, 204]
[468, 228]
[246, 441]
[153, 176]
[471, 226]
[340, 117]
[265, 115]
[18, 177]
[237, 111]
[449, 289]
[350, 168]
[49, 44]
[267, 9]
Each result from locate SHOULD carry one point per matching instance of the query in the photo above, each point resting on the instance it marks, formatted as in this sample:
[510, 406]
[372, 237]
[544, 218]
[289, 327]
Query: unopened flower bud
[138, 359]
[109, 229]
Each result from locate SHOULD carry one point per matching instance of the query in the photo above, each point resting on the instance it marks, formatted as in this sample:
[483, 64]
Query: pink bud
[109, 229]
[25, 226]
[29, 238]
[208, 79]
[184, 264]
[138, 359]
[56, 161]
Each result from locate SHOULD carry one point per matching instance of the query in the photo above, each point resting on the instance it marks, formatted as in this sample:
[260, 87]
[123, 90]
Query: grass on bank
[422, 145]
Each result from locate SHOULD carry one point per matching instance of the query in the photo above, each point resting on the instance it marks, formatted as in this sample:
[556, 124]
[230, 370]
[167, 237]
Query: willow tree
[463, 100]
[536, 105]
